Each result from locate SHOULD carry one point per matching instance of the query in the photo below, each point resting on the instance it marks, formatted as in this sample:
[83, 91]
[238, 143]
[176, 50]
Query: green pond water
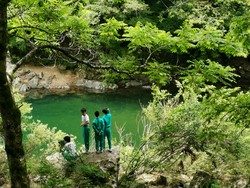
[63, 111]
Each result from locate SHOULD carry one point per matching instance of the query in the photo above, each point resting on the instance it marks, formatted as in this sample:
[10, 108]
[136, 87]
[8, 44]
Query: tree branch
[28, 27]
[67, 54]
[25, 58]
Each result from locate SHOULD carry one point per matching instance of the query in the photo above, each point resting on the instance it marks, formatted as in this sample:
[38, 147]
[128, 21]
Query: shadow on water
[63, 110]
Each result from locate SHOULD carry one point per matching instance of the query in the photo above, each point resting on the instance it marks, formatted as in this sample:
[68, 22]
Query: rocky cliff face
[51, 77]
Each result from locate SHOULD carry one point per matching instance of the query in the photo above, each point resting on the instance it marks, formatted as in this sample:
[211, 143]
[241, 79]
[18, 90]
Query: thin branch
[164, 4]
[28, 27]
[24, 59]
[85, 62]
[67, 54]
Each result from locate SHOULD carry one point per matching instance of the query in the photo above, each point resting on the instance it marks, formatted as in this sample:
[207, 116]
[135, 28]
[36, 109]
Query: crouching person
[68, 150]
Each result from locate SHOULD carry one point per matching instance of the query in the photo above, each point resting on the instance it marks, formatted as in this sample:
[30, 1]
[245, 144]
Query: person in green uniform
[98, 126]
[68, 150]
[107, 128]
[85, 128]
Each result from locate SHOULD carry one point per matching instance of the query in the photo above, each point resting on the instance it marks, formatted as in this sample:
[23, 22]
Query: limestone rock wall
[50, 77]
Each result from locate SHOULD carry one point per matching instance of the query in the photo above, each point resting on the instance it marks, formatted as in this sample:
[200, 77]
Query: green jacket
[98, 125]
[107, 120]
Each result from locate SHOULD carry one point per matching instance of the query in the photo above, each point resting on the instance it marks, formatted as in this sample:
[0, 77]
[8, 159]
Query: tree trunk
[10, 114]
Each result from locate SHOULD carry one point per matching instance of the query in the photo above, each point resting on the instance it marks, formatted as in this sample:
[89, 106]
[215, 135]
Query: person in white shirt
[69, 149]
[85, 129]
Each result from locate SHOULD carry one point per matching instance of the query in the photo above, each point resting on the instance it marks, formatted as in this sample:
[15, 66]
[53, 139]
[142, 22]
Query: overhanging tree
[10, 113]
[124, 40]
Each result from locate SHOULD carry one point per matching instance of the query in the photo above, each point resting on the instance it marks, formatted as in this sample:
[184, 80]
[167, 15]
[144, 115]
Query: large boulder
[93, 84]
[156, 180]
[107, 161]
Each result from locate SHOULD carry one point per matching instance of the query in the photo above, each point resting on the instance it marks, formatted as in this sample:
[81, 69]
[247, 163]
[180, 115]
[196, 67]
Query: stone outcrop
[107, 161]
[50, 77]
[93, 84]
[150, 180]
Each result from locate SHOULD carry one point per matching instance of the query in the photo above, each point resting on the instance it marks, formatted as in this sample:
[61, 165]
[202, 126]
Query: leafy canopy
[130, 39]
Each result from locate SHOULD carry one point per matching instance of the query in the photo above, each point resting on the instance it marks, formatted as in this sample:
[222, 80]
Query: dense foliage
[130, 39]
[203, 126]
